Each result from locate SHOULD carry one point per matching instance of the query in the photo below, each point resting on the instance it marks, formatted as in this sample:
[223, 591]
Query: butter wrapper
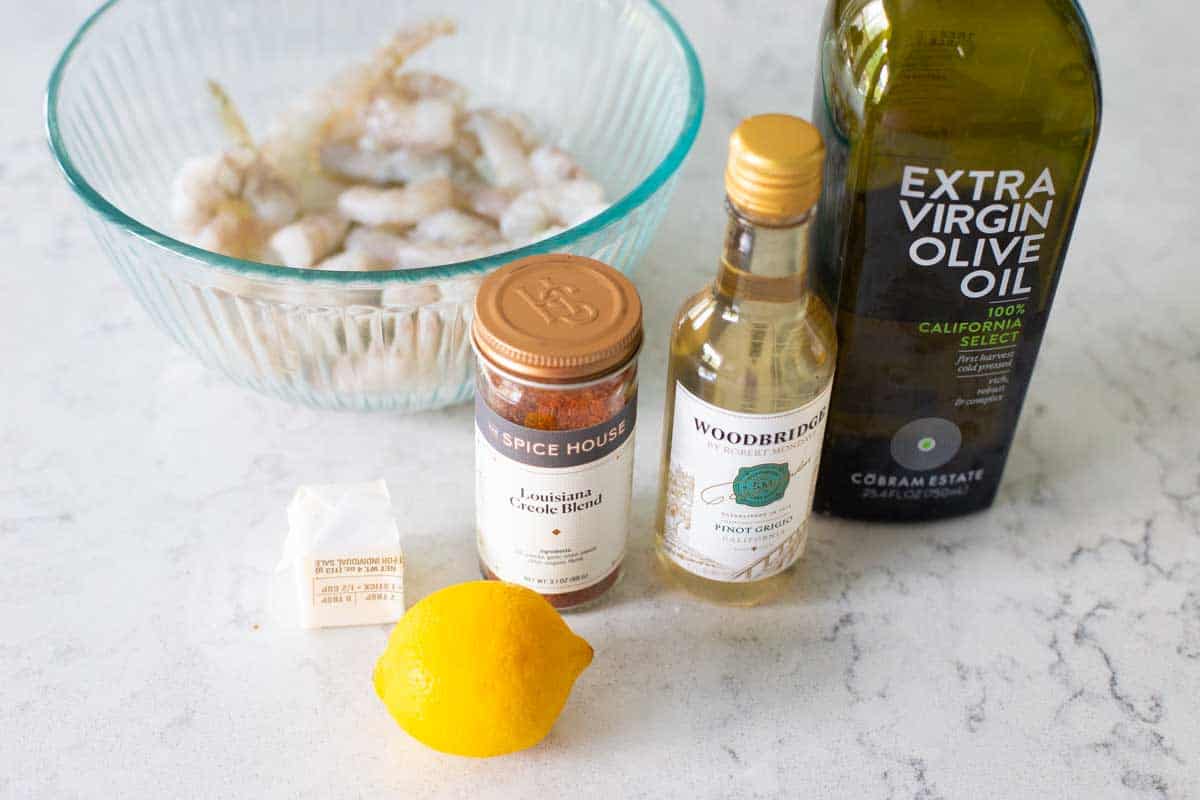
[343, 552]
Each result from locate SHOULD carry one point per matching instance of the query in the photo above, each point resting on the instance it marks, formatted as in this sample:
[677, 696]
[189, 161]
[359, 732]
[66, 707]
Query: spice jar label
[538, 448]
[552, 507]
[740, 487]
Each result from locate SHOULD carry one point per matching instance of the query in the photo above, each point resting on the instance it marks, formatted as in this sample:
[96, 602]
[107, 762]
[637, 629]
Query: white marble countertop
[1047, 648]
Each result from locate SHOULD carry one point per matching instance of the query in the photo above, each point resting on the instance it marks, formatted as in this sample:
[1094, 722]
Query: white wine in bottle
[959, 136]
[751, 366]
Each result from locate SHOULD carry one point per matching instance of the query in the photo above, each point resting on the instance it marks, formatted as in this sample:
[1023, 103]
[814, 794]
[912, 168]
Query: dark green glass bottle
[959, 134]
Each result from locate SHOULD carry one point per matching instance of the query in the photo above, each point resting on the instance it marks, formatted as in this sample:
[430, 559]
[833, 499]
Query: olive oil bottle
[751, 367]
[959, 137]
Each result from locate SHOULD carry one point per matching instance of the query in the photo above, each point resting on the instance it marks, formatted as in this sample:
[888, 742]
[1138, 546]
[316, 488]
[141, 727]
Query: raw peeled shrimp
[416, 83]
[310, 239]
[201, 187]
[414, 255]
[230, 203]
[466, 149]
[484, 200]
[376, 243]
[425, 125]
[571, 202]
[460, 290]
[455, 228]
[409, 132]
[430, 182]
[333, 114]
[369, 205]
[412, 294]
[525, 216]
[412, 354]
[521, 124]
[413, 110]
[503, 150]
[567, 203]
[348, 96]
[551, 165]
[232, 231]
[354, 261]
[348, 160]
[406, 253]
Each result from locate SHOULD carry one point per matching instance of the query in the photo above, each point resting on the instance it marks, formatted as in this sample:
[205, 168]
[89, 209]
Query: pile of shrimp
[385, 168]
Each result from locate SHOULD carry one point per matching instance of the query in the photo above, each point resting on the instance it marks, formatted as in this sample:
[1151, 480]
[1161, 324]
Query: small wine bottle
[751, 365]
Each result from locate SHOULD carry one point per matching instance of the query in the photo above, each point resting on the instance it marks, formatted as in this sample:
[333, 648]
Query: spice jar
[556, 339]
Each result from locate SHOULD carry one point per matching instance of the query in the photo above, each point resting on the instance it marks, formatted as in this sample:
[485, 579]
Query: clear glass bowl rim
[618, 210]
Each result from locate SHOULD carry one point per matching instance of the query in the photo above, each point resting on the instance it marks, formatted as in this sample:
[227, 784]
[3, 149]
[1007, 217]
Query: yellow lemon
[480, 669]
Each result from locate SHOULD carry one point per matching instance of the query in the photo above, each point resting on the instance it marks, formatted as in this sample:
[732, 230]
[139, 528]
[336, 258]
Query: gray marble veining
[1047, 648]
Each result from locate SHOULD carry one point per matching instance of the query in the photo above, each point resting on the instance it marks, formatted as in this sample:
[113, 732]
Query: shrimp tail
[231, 118]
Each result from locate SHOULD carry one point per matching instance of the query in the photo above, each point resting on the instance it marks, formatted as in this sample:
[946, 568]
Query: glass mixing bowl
[614, 82]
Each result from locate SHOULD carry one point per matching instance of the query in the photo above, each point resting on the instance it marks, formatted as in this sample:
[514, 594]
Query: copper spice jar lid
[557, 318]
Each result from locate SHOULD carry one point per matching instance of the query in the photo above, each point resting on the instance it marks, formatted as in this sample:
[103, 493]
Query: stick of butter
[343, 550]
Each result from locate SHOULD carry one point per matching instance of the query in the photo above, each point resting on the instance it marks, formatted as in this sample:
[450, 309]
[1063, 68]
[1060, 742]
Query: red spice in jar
[557, 339]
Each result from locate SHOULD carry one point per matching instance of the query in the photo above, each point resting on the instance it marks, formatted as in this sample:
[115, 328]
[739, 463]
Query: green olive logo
[760, 485]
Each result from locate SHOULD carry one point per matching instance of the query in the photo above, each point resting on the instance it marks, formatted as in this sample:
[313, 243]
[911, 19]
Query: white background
[1049, 648]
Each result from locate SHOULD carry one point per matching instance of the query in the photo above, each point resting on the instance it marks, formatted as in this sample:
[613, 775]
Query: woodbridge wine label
[739, 487]
[959, 136]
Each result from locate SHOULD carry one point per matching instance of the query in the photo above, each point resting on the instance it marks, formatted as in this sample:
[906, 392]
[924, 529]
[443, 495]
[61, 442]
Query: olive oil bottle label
[740, 487]
[552, 507]
[939, 324]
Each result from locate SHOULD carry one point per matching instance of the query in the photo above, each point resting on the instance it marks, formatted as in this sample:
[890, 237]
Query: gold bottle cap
[557, 318]
[775, 164]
